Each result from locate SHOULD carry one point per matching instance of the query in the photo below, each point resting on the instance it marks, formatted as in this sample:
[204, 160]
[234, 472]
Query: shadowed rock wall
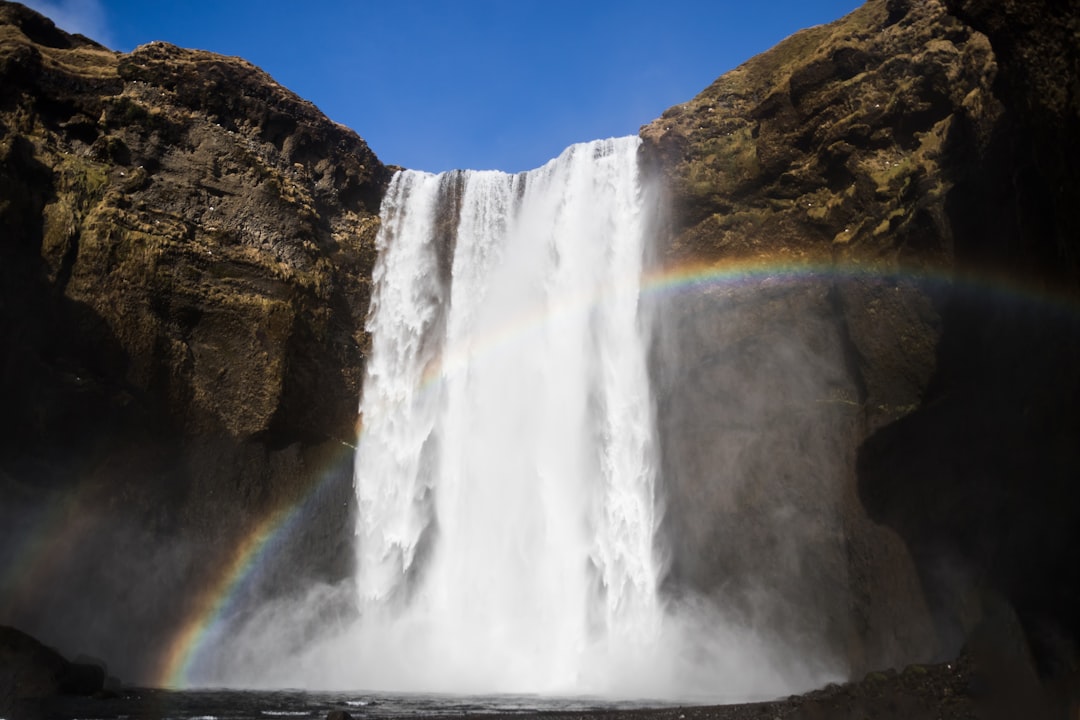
[857, 461]
[889, 444]
[185, 263]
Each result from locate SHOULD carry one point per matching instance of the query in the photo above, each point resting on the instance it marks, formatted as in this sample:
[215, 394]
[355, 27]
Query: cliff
[867, 399]
[886, 355]
[184, 275]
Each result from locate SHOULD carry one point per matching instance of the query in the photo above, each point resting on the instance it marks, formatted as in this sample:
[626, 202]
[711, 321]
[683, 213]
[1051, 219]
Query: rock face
[891, 438]
[30, 671]
[185, 263]
[869, 442]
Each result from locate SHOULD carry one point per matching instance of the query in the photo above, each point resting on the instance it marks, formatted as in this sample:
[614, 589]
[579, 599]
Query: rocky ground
[949, 691]
[36, 683]
[931, 692]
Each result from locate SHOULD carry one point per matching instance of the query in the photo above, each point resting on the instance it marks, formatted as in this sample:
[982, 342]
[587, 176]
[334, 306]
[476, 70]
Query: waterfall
[505, 472]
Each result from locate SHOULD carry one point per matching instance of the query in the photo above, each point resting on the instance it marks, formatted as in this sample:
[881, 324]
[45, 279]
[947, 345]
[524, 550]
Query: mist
[692, 548]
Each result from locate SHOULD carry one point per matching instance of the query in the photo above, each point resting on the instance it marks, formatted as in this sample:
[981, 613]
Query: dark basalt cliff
[185, 260]
[890, 446]
[875, 462]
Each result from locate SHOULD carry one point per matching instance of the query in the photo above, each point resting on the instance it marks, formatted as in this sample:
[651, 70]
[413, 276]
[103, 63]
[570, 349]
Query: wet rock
[28, 669]
[82, 679]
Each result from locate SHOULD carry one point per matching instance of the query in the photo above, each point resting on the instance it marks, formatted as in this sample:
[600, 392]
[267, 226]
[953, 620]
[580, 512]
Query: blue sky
[436, 85]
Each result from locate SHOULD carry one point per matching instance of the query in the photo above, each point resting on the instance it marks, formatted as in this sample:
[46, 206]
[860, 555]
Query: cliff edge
[885, 209]
[184, 276]
[865, 371]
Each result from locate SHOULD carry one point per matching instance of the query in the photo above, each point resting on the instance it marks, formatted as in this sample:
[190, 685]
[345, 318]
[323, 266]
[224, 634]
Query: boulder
[30, 670]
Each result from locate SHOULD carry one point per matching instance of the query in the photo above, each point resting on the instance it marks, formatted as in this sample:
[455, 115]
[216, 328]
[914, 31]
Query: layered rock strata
[185, 268]
[879, 423]
[868, 411]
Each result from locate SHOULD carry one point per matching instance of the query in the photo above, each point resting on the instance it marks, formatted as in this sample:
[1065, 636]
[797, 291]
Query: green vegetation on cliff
[185, 271]
[884, 449]
[919, 160]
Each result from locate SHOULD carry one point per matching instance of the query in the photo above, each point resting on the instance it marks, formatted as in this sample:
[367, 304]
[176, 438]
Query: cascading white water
[505, 473]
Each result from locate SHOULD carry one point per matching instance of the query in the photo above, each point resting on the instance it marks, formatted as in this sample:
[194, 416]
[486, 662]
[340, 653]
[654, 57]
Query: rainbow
[788, 270]
[214, 604]
[732, 274]
[39, 556]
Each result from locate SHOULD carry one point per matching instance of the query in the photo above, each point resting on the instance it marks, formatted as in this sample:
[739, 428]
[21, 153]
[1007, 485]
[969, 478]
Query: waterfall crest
[505, 474]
